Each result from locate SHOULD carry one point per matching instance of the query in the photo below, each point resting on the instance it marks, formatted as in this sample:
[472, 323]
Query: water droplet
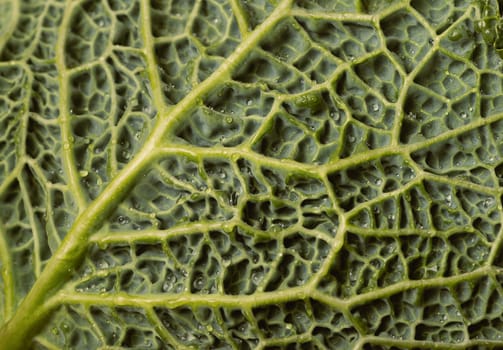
[233, 198]
[249, 102]
[488, 202]
[451, 203]
[123, 220]
[275, 228]
[66, 146]
[102, 265]
[256, 277]
[375, 107]
[147, 109]
[335, 116]
[83, 173]
[126, 155]
[198, 283]
[351, 138]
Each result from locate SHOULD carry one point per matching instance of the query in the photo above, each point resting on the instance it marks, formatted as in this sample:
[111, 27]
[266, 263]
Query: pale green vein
[182, 299]
[196, 152]
[24, 116]
[408, 82]
[340, 237]
[332, 15]
[12, 176]
[462, 182]
[68, 157]
[7, 273]
[153, 235]
[496, 246]
[46, 343]
[153, 73]
[265, 125]
[422, 21]
[193, 14]
[292, 339]
[240, 16]
[450, 281]
[25, 194]
[113, 164]
[94, 326]
[402, 232]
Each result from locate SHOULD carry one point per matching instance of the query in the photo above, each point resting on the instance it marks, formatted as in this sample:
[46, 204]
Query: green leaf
[238, 174]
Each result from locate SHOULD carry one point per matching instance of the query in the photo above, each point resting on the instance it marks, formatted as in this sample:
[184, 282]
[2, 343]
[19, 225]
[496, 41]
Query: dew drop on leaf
[123, 220]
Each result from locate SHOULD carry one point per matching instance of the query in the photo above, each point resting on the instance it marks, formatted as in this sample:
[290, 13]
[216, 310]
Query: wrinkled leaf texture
[251, 174]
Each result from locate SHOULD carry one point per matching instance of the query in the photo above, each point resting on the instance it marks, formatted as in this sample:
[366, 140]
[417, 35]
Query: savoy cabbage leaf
[251, 174]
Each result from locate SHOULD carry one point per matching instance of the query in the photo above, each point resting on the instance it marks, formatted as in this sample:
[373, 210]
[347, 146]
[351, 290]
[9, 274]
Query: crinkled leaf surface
[251, 174]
